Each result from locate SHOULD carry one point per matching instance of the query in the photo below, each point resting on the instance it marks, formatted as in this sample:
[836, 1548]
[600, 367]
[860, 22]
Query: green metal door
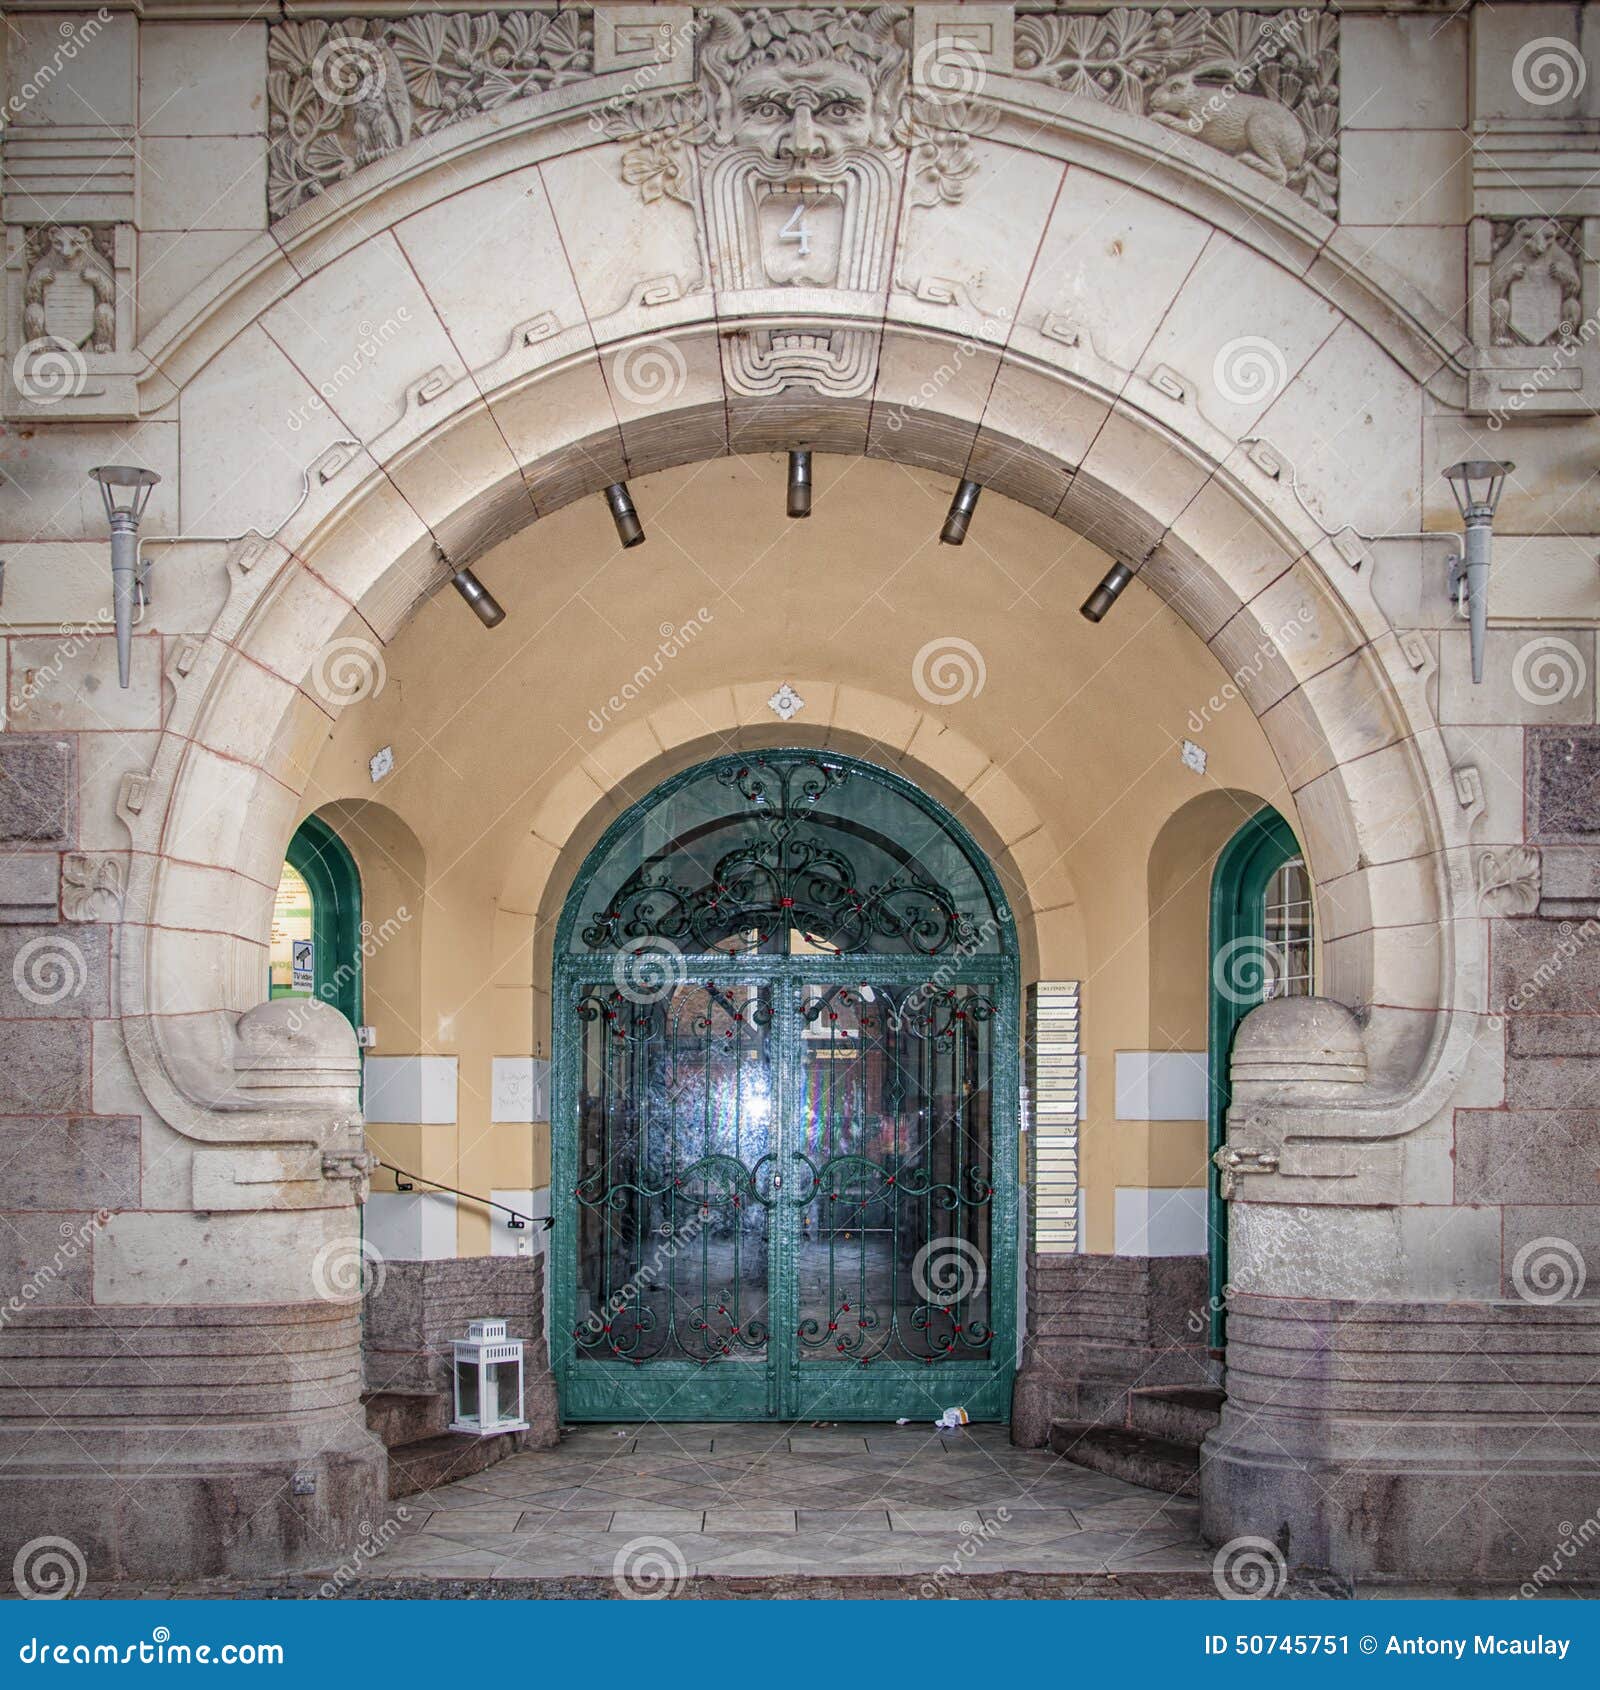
[785, 1129]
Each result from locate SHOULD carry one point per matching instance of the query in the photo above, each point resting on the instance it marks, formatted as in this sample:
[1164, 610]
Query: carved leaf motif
[1509, 880]
[438, 68]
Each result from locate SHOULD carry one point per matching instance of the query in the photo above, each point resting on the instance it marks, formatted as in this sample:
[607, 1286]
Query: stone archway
[641, 337]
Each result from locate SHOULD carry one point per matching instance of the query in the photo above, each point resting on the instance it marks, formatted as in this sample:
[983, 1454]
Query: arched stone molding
[1230, 545]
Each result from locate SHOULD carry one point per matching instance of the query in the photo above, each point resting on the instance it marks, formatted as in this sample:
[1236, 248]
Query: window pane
[292, 952]
[1288, 931]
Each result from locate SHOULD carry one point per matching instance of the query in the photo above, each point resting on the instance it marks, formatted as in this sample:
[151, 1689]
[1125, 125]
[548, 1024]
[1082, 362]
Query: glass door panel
[676, 1123]
[895, 1154]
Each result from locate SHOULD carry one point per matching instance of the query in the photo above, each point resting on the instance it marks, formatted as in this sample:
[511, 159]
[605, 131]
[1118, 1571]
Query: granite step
[1182, 1414]
[396, 1418]
[439, 1461]
[1138, 1457]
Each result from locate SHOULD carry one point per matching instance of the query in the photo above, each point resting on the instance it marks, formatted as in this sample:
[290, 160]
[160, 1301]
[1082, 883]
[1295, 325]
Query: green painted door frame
[323, 861]
[1239, 885]
[788, 1383]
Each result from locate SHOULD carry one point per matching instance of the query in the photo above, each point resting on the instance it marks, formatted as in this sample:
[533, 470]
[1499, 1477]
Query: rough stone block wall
[1100, 1326]
[417, 1308]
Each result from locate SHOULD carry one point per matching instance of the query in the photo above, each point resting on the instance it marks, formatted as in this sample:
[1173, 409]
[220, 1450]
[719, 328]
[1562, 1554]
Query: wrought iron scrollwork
[789, 872]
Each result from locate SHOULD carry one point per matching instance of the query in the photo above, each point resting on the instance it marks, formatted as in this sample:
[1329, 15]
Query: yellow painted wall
[1065, 763]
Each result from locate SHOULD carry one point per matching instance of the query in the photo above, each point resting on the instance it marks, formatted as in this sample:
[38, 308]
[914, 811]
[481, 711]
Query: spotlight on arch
[800, 482]
[630, 530]
[1094, 608]
[959, 517]
[485, 606]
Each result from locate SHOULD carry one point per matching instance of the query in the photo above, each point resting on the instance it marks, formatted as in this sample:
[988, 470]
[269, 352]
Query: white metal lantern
[488, 1380]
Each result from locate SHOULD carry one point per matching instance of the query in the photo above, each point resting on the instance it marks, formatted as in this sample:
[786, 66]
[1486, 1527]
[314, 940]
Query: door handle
[777, 1182]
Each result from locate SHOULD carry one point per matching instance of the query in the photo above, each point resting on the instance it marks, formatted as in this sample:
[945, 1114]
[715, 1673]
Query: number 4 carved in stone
[795, 230]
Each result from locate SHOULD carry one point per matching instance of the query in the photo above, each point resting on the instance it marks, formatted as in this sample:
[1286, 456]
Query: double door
[786, 1191]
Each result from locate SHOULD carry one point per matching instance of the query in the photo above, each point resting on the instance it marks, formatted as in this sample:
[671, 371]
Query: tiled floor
[639, 1502]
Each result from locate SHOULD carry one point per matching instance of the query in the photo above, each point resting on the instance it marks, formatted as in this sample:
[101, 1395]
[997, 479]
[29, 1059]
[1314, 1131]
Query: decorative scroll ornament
[1509, 881]
[92, 886]
[788, 873]
[1260, 86]
[342, 94]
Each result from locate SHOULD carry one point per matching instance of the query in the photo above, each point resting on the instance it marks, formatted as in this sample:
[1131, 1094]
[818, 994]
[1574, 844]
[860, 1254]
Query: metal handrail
[404, 1181]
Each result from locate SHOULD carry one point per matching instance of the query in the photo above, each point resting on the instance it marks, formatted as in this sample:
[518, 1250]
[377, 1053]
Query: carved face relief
[803, 120]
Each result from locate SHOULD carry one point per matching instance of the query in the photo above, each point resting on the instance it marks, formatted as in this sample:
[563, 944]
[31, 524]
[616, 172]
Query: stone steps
[1159, 1447]
[422, 1451]
[1155, 1463]
[440, 1461]
[1183, 1414]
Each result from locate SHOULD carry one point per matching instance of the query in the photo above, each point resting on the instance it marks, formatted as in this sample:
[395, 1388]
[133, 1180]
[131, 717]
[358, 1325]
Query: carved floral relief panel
[834, 82]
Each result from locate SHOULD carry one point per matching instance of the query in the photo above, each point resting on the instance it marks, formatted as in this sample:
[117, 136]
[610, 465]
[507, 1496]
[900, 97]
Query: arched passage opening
[785, 1008]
